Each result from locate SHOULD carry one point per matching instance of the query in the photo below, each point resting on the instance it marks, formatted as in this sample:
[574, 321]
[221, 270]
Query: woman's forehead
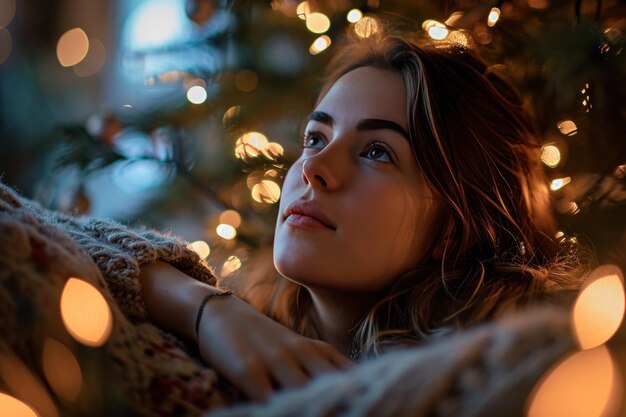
[366, 93]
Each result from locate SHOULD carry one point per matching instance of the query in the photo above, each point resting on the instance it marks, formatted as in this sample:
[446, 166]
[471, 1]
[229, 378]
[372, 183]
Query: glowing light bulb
[435, 30]
[13, 407]
[493, 17]
[267, 191]
[550, 155]
[85, 312]
[354, 15]
[226, 231]
[366, 27]
[230, 217]
[303, 10]
[196, 94]
[273, 150]
[567, 127]
[62, 370]
[72, 47]
[560, 183]
[232, 264]
[201, 248]
[586, 384]
[599, 307]
[319, 45]
[317, 22]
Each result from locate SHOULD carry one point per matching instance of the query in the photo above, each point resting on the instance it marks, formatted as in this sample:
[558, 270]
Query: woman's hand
[258, 355]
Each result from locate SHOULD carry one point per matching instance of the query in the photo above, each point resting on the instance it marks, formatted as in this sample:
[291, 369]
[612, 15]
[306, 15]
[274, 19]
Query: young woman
[419, 205]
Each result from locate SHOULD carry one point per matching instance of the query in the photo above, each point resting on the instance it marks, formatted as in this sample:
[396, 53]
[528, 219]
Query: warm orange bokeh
[599, 308]
[586, 384]
[85, 313]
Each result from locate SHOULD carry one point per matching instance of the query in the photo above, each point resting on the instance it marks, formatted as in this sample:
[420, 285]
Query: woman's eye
[378, 152]
[312, 140]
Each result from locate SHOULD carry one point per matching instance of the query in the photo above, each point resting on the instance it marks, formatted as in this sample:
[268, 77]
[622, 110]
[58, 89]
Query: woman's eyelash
[313, 135]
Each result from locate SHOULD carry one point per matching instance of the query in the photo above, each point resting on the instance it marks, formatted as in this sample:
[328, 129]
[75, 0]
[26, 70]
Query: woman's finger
[315, 362]
[334, 356]
[288, 373]
[253, 381]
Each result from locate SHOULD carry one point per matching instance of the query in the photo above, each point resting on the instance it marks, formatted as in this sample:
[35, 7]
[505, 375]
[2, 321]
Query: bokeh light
[550, 155]
[538, 4]
[196, 94]
[319, 45]
[303, 10]
[231, 217]
[366, 27]
[567, 127]
[156, 23]
[200, 247]
[599, 308]
[7, 12]
[6, 44]
[458, 37]
[226, 231]
[62, 370]
[586, 384]
[250, 145]
[559, 183]
[13, 407]
[72, 47]
[85, 312]
[267, 191]
[231, 264]
[246, 80]
[494, 15]
[273, 150]
[317, 22]
[435, 29]
[354, 15]
[26, 386]
[94, 61]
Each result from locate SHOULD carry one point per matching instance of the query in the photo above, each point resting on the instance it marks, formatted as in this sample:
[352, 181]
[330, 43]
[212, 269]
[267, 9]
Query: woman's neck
[335, 315]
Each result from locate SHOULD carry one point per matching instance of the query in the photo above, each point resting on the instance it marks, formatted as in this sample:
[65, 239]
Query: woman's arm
[256, 354]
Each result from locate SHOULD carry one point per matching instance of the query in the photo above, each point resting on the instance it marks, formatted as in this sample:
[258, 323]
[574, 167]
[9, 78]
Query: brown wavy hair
[474, 143]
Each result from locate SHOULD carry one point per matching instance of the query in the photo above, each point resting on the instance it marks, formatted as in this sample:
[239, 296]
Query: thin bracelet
[205, 300]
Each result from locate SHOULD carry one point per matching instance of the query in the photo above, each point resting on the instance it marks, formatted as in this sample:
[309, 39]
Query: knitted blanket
[142, 370]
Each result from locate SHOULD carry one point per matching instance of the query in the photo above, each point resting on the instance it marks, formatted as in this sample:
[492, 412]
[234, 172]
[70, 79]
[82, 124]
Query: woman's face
[355, 211]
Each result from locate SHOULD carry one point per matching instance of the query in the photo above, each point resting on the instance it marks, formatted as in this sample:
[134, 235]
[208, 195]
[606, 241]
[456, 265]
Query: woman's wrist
[203, 304]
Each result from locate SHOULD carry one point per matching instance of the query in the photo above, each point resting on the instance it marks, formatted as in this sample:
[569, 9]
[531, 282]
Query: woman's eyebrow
[363, 124]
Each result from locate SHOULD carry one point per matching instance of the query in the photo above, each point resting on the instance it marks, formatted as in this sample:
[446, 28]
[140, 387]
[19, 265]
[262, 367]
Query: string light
[197, 94]
[72, 47]
[13, 407]
[62, 370]
[320, 44]
[567, 127]
[226, 231]
[550, 155]
[559, 183]
[317, 22]
[85, 313]
[435, 30]
[586, 384]
[24, 384]
[200, 247]
[354, 15]
[267, 191]
[366, 27]
[231, 217]
[232, 264]
[599, 307]
[303, 10]
[493, 17]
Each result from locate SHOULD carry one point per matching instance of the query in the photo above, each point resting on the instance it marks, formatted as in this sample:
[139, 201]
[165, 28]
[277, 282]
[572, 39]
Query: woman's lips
[306, 213]
[300, 220]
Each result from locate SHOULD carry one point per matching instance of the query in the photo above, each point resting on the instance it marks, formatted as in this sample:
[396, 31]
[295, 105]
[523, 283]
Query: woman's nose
[324, 170]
